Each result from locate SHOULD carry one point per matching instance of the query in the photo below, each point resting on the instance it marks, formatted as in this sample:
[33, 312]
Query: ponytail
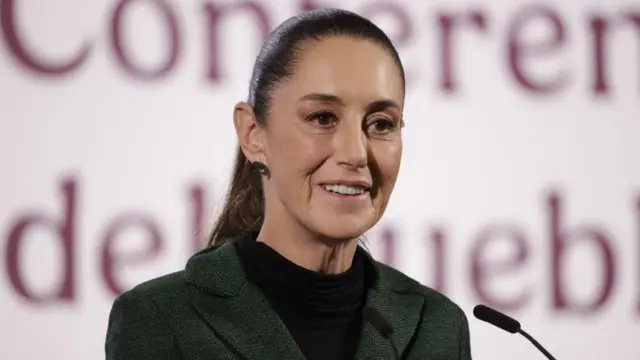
[243, 209]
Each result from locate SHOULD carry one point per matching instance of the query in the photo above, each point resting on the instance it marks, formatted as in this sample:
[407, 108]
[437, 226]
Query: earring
[264, 170]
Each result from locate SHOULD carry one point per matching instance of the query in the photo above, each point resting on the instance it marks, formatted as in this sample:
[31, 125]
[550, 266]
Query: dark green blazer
[210, 311]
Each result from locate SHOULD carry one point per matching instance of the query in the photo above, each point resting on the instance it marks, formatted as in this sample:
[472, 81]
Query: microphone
[382, 326]
[506, 323]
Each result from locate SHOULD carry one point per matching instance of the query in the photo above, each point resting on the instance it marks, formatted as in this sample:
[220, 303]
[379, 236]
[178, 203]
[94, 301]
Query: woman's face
[333, 138]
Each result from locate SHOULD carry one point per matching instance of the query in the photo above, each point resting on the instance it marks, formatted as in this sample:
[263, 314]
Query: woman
[284, 277]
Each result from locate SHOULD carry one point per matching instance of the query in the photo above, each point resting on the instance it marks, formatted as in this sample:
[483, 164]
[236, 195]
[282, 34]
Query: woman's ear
[250, 132]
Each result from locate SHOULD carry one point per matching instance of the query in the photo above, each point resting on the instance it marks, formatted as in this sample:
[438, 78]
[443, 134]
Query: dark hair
[244, 207]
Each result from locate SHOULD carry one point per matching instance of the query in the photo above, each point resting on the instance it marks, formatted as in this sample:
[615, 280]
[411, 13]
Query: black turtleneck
[321, 311]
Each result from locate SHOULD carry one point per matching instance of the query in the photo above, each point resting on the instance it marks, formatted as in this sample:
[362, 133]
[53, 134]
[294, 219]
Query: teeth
[345, 189]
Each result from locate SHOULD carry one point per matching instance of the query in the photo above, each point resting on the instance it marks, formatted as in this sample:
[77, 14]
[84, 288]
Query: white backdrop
[520, 183]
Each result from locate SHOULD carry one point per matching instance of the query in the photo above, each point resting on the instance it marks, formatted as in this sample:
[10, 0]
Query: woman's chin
[344, 228]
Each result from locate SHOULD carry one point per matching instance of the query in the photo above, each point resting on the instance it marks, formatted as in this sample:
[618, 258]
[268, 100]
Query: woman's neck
[307, 250]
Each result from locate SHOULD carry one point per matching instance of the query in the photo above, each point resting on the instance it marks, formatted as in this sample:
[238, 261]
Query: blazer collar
[241, 316]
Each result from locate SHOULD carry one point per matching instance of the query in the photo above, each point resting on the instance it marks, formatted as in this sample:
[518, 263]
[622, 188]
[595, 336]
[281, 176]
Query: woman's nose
[351, 146]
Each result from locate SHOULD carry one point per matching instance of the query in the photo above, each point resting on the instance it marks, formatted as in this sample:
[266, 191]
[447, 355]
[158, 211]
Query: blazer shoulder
[165, 284]
[166, 292]
[138, 326]
[403, 284]
[450, 318]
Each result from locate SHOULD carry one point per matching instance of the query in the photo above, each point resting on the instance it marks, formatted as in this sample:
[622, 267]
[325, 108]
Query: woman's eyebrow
[322, 97]
[377, 105]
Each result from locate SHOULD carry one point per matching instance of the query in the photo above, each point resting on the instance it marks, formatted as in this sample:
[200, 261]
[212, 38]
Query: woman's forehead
[352, 69]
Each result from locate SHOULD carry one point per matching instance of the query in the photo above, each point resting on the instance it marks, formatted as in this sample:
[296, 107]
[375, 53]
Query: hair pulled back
[243, 209]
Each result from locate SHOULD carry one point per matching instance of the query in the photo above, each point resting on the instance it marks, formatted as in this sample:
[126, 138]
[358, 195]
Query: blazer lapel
[239, 315]
[235, 310]
[401, 308]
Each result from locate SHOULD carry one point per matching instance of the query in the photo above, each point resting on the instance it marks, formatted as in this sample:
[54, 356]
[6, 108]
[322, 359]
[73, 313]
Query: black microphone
[382, 326]
[506, 323]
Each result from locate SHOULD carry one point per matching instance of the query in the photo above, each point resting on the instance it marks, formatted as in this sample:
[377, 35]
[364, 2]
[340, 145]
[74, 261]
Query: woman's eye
[381, 126]
[324, 118]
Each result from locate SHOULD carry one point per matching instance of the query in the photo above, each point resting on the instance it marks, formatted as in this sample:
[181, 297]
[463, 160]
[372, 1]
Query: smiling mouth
[347, 190]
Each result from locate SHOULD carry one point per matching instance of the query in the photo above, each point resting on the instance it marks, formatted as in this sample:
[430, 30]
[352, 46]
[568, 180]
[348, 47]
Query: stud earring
[264, 170]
